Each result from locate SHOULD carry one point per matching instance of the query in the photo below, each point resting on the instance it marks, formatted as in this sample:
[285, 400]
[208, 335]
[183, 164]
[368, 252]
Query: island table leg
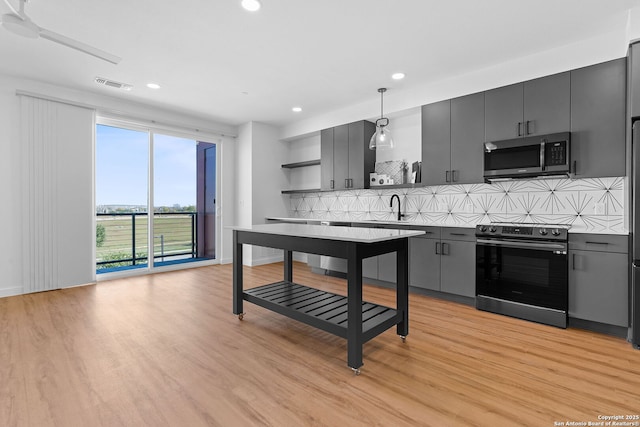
[402, 287]
[354, 307]
[288, 266]
[237, 275]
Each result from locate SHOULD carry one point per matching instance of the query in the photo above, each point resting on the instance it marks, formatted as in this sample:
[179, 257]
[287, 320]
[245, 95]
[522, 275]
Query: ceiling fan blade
[82, 47]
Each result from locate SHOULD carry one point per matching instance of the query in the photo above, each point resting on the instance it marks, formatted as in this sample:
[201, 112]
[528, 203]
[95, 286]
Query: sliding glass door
[174, 178]
[122, 170]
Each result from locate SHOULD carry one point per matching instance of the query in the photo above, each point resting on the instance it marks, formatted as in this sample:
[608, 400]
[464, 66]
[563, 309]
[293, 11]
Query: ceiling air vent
[106, 82]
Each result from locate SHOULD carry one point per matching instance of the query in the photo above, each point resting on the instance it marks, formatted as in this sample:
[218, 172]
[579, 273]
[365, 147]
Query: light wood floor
[165, 349]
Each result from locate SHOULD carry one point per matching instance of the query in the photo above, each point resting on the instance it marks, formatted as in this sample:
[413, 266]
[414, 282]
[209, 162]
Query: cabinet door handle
[454, 175]
[527, 128]
[437, 248]
[457, 234]
[446, 176]
[519, 129]
[350, 182]
[346, 183]
[332, 184]
[573, 261]
[445, 249]
[575, 167]
[596, 243]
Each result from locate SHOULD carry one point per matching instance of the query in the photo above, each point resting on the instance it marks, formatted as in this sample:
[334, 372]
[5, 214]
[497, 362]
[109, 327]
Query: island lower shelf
[321, 309]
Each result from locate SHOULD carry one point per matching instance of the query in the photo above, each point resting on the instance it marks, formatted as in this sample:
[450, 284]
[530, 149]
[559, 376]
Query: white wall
[10, 215]
[10, 153]
[259, 182]
[406, 130]
[300, 150]
[563, 58]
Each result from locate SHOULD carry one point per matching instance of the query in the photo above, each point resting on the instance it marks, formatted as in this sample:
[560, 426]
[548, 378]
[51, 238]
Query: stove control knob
[555, 231]
[483, 228]
[492, 229]
[543, 231]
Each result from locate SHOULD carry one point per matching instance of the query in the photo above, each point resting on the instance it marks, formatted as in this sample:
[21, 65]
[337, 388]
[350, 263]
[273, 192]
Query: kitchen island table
[348, 317]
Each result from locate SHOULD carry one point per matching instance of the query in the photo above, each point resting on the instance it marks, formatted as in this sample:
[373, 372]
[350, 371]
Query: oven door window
[530, 276]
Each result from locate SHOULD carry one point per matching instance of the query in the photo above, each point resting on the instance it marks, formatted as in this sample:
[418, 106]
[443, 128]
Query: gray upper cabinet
[598, 116]
[634, 78]
[467, 136]
[436, 143]
[340, 157]
[535, 107]
[504, 112]
[346, 160]
[452, 136]
[326, 163]
[362, 161]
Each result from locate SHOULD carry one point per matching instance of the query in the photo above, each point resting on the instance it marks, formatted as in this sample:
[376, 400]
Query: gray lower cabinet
[598, 119]
[444, 261]
[424, 261]
[599, 278]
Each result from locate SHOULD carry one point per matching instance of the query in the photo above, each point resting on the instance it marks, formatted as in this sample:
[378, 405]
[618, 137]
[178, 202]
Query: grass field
[176, 232]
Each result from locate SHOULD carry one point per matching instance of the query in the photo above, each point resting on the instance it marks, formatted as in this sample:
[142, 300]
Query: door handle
[437, 248]
[445, 249]
[446, 176]
[346, 183]
[527, 128]
[454, 175]
[332, 184]
[573, 261]
[575, 167]
[519, 129]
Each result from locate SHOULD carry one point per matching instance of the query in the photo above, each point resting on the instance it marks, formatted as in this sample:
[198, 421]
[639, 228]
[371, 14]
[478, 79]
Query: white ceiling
[216, 61]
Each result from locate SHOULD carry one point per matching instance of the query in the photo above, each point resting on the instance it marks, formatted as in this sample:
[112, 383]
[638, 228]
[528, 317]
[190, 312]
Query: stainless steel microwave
[531, 156]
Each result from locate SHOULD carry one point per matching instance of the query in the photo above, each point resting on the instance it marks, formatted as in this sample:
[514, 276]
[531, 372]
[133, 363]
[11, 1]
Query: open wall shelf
[301, 164]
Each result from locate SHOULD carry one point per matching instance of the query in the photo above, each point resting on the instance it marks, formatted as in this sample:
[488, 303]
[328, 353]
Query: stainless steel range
[522, 271]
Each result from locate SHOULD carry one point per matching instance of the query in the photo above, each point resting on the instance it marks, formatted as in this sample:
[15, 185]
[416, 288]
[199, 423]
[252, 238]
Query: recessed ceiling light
[296, 109]
[397, 76]
[153, 85]
[251, 5]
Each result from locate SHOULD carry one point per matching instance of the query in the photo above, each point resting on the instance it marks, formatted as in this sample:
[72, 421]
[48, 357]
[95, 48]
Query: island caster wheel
[356, 371]
[403, 338]
[241, 316]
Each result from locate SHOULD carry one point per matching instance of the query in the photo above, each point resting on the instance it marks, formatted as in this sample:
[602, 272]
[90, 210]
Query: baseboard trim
[11, 292]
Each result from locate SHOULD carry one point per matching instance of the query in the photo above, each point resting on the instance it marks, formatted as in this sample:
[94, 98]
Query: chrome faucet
[400, 214]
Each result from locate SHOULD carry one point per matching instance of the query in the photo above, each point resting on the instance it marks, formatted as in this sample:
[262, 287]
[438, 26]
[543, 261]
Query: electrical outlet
[600, 208]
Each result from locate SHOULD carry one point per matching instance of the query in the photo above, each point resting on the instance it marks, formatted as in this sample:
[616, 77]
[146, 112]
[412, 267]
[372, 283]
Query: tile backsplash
[594, 205]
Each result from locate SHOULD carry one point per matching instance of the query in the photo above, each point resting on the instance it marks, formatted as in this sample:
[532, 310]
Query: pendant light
[381, 140]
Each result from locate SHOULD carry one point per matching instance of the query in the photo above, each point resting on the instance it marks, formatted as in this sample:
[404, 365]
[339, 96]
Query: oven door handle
[524, 245]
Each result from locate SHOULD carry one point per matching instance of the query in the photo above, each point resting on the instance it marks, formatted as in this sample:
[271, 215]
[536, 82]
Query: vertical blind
[57, 194]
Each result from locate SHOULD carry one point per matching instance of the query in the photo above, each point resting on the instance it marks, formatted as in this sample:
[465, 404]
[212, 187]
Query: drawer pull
[458, 234]
[596, 243]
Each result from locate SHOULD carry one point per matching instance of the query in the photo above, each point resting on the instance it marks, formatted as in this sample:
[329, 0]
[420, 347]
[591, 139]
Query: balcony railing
[122, 238]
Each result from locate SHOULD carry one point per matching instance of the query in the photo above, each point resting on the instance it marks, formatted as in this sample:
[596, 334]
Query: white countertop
[417, 224]
[347, 234]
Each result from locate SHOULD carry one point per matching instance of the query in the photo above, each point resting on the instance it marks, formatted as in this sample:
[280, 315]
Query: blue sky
[122, 168]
